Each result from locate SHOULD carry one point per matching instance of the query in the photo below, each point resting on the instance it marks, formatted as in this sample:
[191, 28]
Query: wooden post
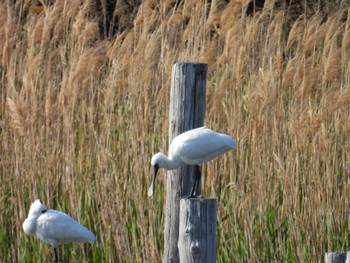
[187, 109]
[197, 230]
[337, 257]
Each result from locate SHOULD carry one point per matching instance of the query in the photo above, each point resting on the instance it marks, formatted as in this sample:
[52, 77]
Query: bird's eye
[43, 211]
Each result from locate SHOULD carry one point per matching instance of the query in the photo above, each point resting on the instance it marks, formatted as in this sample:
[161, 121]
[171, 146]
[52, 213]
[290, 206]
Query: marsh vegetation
[84, 105]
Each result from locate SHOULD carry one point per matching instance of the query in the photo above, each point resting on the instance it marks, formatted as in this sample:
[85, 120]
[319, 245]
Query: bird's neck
[171, 163]
[29, 225]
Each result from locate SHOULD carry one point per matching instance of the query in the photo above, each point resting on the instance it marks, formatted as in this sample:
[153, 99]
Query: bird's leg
[56, 256]
[198, 177]
[197, 174]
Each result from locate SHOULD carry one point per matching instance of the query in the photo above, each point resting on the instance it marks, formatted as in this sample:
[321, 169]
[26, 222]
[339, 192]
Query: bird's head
[158, 161]
[37, 208]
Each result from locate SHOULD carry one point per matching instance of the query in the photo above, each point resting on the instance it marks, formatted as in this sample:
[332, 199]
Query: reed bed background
[84, 105]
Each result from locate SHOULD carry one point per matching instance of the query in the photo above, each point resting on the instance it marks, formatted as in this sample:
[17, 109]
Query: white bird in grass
[193, 147]
[54, 227]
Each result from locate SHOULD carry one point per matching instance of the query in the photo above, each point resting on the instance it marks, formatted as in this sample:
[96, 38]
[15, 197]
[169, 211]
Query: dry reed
[81, 115]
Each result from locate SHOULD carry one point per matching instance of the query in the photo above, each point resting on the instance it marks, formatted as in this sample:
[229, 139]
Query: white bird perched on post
[54, 227]
[193, 147]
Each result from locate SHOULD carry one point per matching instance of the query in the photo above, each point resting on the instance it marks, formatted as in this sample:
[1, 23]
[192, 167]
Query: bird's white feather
[60, 227]
[193, 147]
[54, 227]
[200, 145]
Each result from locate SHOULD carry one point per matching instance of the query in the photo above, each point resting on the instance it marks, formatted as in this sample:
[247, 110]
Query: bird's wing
[201, 147]
[54, 225]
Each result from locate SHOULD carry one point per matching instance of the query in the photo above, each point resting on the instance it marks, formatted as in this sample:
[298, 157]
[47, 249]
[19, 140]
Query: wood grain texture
[197, 231]
[187, 111]
[337, 257]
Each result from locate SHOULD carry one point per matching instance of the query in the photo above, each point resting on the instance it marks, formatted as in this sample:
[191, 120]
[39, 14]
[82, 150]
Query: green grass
[82, 114]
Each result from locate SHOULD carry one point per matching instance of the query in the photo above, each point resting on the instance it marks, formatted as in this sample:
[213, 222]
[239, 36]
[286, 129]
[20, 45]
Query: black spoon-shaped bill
[151, 188]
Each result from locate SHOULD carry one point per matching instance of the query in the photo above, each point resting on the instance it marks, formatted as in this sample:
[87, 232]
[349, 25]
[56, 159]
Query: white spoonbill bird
[54, 227]
[193, 147]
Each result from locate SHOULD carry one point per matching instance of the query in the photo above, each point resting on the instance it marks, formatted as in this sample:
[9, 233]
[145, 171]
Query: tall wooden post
[197, 230]
[337, 257]
[187, 109]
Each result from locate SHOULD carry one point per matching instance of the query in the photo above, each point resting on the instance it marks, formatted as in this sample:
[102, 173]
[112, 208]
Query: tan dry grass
[82, 115]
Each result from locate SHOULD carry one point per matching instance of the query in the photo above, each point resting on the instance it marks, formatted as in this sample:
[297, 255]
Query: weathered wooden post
[187, 110]
[337, 257]
[197, 231]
